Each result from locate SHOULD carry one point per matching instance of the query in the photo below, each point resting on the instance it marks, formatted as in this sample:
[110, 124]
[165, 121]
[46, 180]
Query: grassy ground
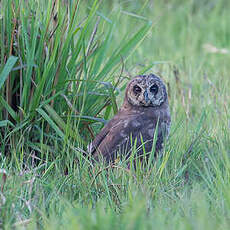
[62, 75]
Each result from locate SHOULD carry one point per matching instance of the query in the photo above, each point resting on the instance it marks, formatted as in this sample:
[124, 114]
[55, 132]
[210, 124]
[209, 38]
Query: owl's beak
[146, 96]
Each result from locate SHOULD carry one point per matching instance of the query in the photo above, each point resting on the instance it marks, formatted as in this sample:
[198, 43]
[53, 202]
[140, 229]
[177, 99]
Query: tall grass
[55, 56]
[63, 70]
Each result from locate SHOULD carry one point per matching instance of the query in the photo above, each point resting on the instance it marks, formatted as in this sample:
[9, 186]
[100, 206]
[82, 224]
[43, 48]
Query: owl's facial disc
[146, 90]
[137, 89]
[154, 89]
[156, 92]
[139, 94]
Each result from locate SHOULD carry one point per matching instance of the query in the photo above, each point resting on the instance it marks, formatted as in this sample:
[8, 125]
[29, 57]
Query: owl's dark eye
[154, 89]
[136, 89]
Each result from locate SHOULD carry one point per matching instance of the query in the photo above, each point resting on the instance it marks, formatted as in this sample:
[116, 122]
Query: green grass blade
[7, 68]
[125, 50]
[51, 122]
[6, 123]
[12, 113]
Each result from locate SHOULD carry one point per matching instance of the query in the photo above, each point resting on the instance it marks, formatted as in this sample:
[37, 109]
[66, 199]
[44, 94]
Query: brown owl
[144, 111]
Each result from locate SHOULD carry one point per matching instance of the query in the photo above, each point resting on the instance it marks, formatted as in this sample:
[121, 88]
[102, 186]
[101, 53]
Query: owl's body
[145, 110]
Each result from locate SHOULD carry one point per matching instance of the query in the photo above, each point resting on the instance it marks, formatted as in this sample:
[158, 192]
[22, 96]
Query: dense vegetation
[63, 70]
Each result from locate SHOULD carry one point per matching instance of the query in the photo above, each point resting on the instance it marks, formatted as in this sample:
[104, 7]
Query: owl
[145, 114]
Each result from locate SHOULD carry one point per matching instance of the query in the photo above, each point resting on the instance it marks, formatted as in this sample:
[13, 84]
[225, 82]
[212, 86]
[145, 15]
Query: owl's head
[146, 90]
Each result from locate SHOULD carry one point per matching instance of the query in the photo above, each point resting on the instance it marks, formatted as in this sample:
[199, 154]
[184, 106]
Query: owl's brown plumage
[145, 107]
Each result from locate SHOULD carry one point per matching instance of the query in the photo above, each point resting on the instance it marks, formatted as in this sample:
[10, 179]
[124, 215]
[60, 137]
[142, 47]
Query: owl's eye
[154, 89]
[136, 89]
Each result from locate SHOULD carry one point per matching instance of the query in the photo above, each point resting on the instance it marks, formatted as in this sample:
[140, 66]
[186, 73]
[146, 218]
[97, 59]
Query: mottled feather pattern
[145, 107]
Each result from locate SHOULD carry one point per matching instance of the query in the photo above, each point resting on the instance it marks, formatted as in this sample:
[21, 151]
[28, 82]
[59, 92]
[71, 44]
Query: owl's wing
[92, 147]
[114, 133]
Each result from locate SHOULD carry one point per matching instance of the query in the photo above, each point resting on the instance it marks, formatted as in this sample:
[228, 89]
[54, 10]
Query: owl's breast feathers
[120, 133]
